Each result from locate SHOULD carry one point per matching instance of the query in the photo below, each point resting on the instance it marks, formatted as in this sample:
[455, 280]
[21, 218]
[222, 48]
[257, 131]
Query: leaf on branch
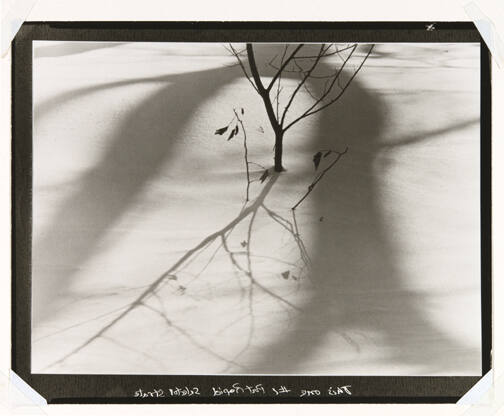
[286, 274]
[242, 111]
[264, 176]
[260, 129]
[327, 153]
[233, 133]
[236, 129]
[316, 159]
[172, 277]
[243, 243]
[221, 131]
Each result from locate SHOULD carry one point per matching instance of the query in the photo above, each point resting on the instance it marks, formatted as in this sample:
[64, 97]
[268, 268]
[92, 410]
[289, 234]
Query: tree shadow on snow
[357, 287]
[138, 149]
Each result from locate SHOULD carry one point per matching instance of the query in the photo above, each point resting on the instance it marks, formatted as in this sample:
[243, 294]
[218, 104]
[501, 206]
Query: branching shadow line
[296, 346]
[136, 152]
[250, 210]
[357, 283]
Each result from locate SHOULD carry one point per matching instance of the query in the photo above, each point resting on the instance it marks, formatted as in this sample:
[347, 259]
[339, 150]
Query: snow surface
[129, 178]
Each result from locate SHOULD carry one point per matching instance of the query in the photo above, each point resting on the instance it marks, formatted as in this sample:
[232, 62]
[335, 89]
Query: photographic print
[256, 208]
[251, 212]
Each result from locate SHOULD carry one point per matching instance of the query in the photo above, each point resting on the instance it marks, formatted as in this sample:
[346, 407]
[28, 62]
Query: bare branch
[285, 63]
[319, 177]
[285, 69]
[312, 109]
[237, 56]
[327, 90]
[279, 88]
[245, 154]
[345, 87]
[337, 51]
[263, 92]
[307, 74]
[336, 77]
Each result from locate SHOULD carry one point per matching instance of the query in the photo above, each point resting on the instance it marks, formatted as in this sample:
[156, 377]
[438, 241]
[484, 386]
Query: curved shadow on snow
[359, 294]
[136, 152]
[53, 103]
[357, 286]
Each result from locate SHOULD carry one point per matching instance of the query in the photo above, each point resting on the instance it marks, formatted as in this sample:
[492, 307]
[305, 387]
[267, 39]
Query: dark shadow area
[357, 285]
[136, 152]
[356, 282]
[53, 103]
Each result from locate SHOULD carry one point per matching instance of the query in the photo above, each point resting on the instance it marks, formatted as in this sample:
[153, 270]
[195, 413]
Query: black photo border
[89, 388]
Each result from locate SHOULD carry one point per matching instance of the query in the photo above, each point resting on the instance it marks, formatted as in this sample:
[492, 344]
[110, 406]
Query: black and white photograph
[256, 209]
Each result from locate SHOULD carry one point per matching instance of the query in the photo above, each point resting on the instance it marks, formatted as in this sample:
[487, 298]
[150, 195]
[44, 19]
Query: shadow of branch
[248, 213]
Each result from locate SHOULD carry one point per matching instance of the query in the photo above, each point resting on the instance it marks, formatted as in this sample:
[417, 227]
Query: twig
[237, 55]
[312, 110]
[301, 83]
[279, 88]
[284, 64]
[245, 155]
[257, 164]
[319, 177]
[325, 55]
[346, 85]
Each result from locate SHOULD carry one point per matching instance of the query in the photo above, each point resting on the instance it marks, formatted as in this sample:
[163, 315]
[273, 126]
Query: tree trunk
[278, 151]
[264, 93]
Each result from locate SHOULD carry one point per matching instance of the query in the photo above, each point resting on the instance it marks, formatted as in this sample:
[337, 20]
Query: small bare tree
[305, 65]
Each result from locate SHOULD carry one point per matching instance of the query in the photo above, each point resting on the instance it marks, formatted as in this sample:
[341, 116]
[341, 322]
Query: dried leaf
[242, 111]
[236, 129]
[243, 243]
[233, 132]
[286, 274]
[221, 131]
[316, 159]
[264, 176]
[321, 219]
[261, 130]
[172, 277]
